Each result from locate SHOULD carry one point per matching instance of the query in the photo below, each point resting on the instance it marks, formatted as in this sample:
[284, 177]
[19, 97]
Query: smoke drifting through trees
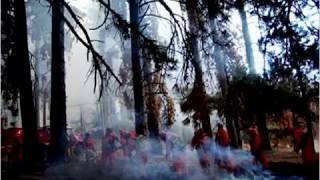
[136, 72]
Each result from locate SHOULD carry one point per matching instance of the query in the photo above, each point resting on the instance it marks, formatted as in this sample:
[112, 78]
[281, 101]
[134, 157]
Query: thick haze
[80, 89]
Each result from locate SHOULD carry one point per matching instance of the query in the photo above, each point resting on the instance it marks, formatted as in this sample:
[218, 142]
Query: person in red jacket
[200, 142]
[89, 142]
[109, 147]
[89, 145]
[256, 145]
[127, 141]
[222, 137]
[303, 141]
[308, 153]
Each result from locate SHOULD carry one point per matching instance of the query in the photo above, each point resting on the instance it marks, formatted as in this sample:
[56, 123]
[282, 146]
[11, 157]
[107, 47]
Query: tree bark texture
[262, 128]
[58, 122]
[246, 37]
[136, 70]
[191, 6]
[28, 112]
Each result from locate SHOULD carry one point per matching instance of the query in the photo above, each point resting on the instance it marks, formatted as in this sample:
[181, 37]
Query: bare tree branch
[96, 57]
[104, 20]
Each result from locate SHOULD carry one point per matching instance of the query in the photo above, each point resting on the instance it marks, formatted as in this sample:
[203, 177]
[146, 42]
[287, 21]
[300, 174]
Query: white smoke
[161, 165]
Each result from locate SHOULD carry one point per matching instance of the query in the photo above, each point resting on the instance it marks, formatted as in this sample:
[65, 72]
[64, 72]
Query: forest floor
[283, 162]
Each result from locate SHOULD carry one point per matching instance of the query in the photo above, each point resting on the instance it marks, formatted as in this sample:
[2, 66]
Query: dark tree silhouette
[197, 99]
[283, 26]
[147, 50]
[239, 4]
[9, 77]
[39, 29]
[28, 113]
[215, 11]
[58, 124]
[136, 69]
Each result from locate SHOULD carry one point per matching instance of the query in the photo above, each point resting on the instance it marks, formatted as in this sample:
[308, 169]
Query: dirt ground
[283, 154]
[284, 161]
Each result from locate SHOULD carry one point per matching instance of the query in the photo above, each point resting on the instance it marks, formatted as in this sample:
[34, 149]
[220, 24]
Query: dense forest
[202, 68]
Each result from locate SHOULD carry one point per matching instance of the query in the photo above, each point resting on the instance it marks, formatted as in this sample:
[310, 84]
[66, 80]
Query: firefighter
[79, 145]
[89, 145]
[196, 139]
[109, 147]
[308, 153]
[124, 136]
[222, 137]
[127, 140]
[70, 144]
[256, 147]
[89, 142]
[301, 139]
[200, 142]
[175, 152]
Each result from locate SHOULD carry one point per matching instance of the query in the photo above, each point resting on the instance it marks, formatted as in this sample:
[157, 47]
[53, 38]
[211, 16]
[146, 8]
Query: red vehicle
[11, 142]
[43, 135]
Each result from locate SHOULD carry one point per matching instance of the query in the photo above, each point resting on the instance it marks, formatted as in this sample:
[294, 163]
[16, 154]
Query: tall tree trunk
[239, 140]
[218, 58]
[152, 119]
[136, 69]
[151, 79]
[98, 115]
[196, 62]
[102, 114]
[232, 131]
[222, 79]
[231, 124]
[44, 103]
[82, 124]
[37, 80]
[220, 67]
[58, 122]
[306, 104]
[28, 113]
[105, 97]
[153, 123]
[262, 128]
[152, 109]
[246, 36]
[44, 115]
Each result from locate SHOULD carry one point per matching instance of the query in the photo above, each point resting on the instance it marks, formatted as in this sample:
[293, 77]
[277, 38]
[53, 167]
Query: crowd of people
[137, 149]
[80, 147]
[123, 144]
[207, 156]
